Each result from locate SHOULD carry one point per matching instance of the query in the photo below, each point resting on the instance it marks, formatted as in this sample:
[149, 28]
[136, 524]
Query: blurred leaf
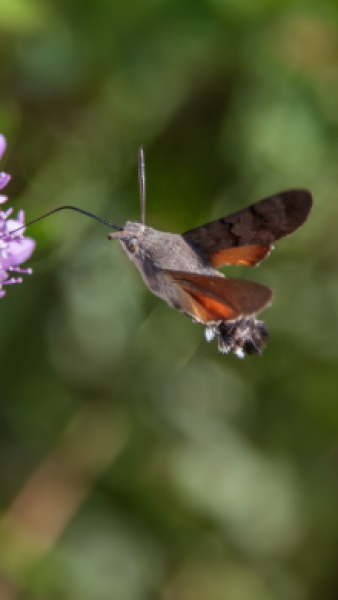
[19, 16]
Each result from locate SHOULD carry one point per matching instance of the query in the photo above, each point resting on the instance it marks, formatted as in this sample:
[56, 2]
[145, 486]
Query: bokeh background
[136, 462]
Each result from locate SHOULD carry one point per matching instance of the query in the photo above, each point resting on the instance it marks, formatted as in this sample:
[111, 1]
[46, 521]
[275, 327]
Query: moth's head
[131, 239]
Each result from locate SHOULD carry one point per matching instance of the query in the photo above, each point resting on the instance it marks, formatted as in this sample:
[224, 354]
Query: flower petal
[17, 252]
[2, 145]
[4, 179]
[21, 217]
[3, 276]
[13, 224]
[15, 249]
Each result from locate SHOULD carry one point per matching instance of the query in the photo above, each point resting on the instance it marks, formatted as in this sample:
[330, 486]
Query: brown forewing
[212, 298]
[255, 227]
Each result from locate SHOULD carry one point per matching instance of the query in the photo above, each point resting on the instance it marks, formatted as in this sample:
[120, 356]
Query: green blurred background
[136, 462]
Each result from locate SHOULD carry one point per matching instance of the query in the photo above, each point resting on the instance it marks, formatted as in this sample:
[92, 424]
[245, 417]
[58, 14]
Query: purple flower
[15, 249]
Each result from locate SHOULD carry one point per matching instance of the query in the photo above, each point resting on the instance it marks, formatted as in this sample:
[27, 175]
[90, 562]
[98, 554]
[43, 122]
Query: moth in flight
[182, 268]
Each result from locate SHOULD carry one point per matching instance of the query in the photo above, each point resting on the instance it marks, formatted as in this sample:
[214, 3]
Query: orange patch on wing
[213, 310]
[240, 255]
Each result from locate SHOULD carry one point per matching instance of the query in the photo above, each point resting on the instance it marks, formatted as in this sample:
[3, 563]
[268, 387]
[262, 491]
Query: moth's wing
[211, 298]
[246, 236]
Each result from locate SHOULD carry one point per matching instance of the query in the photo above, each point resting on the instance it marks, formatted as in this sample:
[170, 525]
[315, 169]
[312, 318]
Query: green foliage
[196, 476]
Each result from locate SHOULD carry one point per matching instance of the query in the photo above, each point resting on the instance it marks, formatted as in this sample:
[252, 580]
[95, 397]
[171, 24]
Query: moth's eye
[131, 246]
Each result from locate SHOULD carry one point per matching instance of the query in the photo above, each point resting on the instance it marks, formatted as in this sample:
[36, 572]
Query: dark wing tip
[298, 204]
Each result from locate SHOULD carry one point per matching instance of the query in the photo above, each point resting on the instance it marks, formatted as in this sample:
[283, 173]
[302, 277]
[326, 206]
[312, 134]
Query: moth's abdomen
[243, 336]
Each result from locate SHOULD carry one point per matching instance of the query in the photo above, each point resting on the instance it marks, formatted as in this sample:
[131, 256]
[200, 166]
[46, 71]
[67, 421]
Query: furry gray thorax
[153, 251]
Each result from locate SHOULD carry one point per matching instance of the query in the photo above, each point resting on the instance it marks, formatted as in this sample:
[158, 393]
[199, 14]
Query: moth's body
[158, 252]
[180, 269]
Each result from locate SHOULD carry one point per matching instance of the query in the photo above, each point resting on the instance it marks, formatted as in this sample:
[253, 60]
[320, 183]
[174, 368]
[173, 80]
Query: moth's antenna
[84, 212]
[142, 182]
